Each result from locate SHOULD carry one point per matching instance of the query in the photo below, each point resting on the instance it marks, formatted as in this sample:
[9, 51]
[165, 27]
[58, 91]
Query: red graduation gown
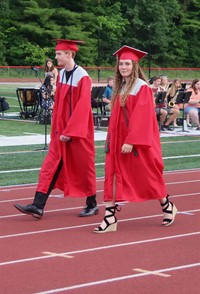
[138, 178]
[77, 177]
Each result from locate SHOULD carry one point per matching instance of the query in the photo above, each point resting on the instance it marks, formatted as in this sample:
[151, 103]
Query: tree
[165, 29]
[109, 29]
[4, 17]
[154, 27]
[191, 27]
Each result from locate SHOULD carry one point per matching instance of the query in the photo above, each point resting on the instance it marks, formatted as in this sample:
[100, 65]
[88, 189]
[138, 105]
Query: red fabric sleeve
[141, 119]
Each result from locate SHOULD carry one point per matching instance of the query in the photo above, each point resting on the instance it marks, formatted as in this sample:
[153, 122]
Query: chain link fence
[100, 74]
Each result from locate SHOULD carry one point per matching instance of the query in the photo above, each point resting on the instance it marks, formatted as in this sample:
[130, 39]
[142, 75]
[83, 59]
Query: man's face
[62, 58]
[111, 83]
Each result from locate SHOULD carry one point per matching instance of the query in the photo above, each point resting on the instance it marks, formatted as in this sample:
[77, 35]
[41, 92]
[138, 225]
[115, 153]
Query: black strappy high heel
[110, 227]
[168, 221]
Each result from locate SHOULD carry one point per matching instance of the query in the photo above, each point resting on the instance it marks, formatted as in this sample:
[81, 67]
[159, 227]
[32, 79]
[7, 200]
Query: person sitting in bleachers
[164, 84]
[48, 92]
[50, 69]
[193, 106]
[163, 110]
[106, 98]
[172, 94]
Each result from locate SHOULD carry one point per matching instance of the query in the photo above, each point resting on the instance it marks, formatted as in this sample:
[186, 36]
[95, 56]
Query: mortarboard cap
[71, 45]
[127, 52]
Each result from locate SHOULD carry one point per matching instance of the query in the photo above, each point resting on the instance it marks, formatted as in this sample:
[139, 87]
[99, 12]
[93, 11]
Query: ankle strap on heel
[112, 209]
[166, 202]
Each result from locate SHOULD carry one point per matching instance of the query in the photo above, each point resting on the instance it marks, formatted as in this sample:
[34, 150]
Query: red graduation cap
[130, 53]
[71, 45]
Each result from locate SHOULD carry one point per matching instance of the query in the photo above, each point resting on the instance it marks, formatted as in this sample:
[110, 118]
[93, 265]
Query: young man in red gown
[70, 162]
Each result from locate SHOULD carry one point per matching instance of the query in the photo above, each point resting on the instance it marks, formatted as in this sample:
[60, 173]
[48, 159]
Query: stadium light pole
[98, 54]
[149, 49]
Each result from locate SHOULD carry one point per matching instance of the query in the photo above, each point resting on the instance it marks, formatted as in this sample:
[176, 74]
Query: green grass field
[21, 164]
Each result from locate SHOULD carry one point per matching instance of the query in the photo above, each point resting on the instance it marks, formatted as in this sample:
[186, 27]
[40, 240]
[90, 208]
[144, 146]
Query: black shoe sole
[38, 216]
[88, 215]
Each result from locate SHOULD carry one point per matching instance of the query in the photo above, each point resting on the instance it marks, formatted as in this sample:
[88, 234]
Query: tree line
[168, 30]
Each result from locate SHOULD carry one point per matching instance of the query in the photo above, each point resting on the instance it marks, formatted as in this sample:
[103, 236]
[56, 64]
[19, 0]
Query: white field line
[96, 164]
[101, 179]
[21, 187]
[94, 249]
[98, 191]
[33, 185]
[183, 171]
[87, 225]
[47, 211]
[18, 170]
[122, 278]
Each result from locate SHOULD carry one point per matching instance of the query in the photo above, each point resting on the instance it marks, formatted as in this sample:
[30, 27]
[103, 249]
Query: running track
[60, 254]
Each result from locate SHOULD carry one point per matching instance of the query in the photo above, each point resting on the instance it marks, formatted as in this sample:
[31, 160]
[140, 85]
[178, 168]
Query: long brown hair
[172, 90]
[47, 69]
[194, 82]
[119, 81]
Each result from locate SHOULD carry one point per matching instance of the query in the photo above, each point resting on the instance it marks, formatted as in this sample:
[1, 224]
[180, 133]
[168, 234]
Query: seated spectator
[106, 98]
[193, 106]
[50, 69]
[155, 86]
[48, 92]
[164, 84]
[163, 109]
[174, 89]
[172, 94]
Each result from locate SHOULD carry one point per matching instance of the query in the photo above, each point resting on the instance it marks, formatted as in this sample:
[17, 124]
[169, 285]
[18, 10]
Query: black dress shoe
[162, 128]
[168, 128]
[89, 211]
[30, 209]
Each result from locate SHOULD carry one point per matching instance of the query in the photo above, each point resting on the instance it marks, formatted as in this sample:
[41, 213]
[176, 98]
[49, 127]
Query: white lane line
[86, 225]
[99, 179]
[116, 279]
[187, 212]
[183, 171]
[47, 211]
[103, 248]
[98, 191]
[183, 182]
[17, 199]
[54, 254]
[31, 186]
[31, 198]
[140, 270]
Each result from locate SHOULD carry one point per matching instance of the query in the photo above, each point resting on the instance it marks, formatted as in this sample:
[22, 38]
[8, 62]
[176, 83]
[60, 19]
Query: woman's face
[164, 80]
[197, 86]
[49, 63]
[177, 84]
[125, 67]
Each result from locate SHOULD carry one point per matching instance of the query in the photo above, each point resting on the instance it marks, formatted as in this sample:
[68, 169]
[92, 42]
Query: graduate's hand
[126, 148]
[65, 138]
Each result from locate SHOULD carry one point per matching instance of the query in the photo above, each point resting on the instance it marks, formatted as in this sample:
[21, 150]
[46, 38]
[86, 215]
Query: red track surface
[60, 254]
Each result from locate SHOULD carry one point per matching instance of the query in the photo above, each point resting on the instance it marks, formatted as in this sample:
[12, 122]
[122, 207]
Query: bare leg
[173, 116]
[194, 117]
[163, 115]
[188, 120]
